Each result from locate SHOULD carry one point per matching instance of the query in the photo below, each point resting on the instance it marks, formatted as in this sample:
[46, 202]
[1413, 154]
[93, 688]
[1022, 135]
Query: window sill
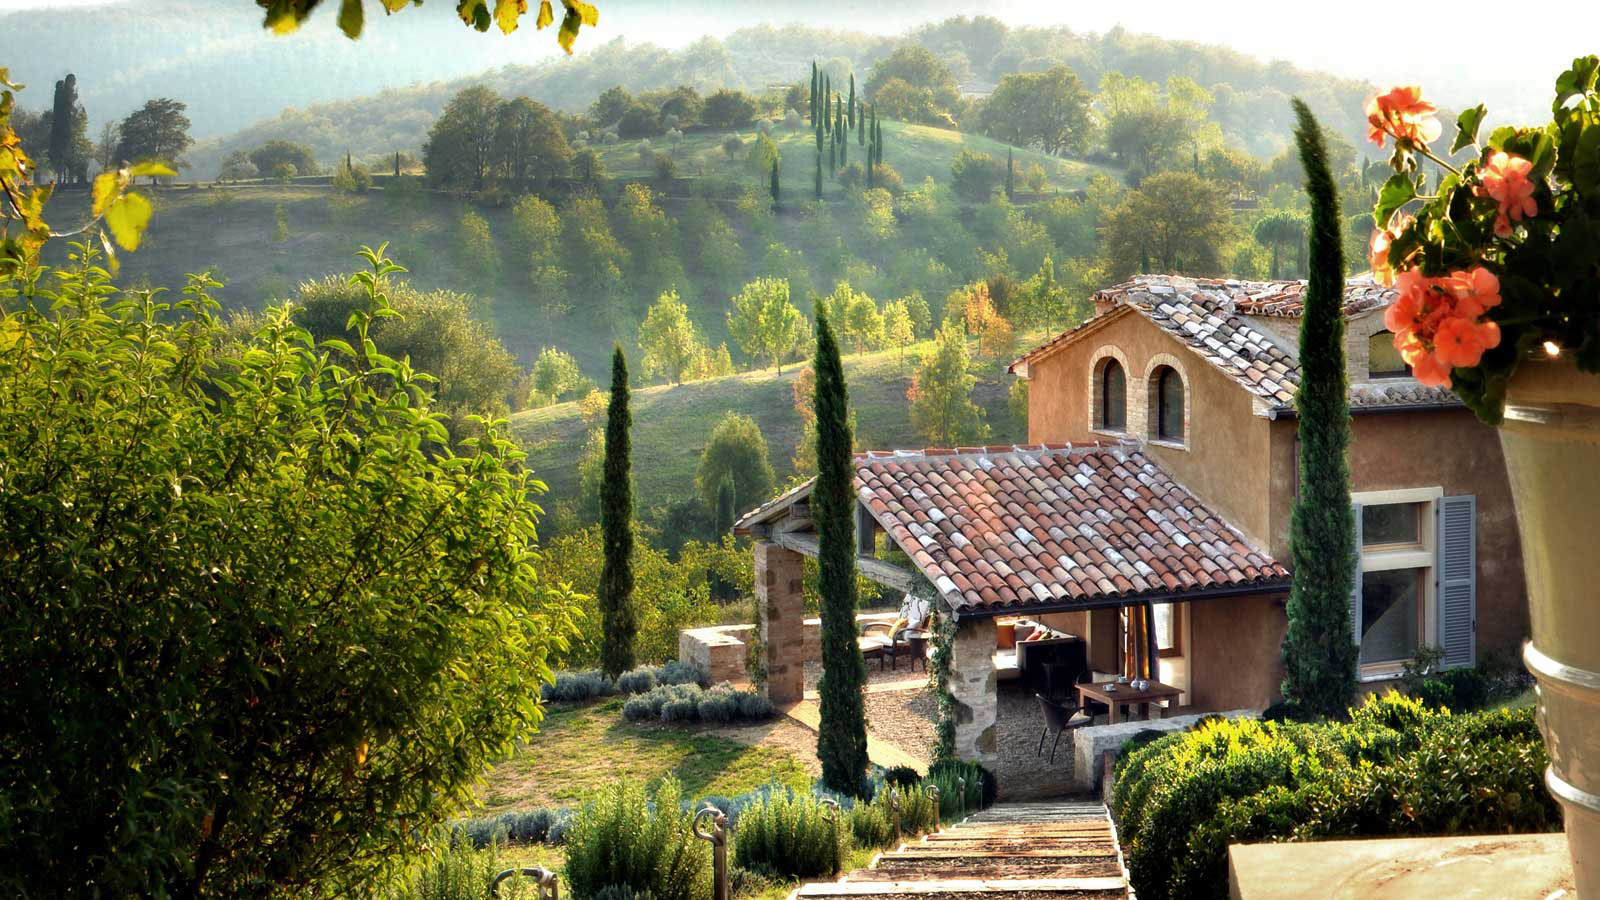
[1118, 435]
[1381, 672]
[1169, 444]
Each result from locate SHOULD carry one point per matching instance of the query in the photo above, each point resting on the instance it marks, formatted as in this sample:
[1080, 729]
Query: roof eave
[1263, 586]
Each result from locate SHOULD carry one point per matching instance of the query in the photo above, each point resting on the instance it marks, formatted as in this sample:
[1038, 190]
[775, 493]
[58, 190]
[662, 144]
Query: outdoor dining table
[1124, 694]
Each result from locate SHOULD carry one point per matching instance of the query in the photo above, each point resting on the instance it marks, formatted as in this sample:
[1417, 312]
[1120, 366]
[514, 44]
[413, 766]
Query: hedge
[1396, 768]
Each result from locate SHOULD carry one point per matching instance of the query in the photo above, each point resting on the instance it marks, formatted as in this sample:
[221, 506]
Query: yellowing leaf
[111, 252]
[507, 12]
[545, 15]
[468, 10]
[588, 12]
[150, 169]
[282, 22]
[127, 218]
[569, 30]
[394, 6]
[351, 18]
[107, 187]
[5, 79]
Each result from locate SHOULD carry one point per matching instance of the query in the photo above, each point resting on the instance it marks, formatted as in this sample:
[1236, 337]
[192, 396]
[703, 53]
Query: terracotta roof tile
[1210, 316]
[1101, 521]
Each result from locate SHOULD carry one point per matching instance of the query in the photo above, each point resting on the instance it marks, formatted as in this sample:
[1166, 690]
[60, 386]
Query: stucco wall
[1449, 449]
[1235, 655]
[1226, 450]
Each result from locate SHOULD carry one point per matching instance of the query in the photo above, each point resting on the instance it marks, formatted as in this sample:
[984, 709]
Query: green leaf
[1586, 162]
[1467, 127]
[1577, 80]
[351, 18]
[127, 217]
[1396, 193]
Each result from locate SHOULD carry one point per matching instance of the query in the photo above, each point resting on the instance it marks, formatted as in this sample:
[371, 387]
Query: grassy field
[915, 151]
[581, 749]
[671, 422]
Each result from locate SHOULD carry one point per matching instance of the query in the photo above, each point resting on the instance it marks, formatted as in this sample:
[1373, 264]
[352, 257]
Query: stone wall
[720, 650]
[780, 611]
[1091, 743]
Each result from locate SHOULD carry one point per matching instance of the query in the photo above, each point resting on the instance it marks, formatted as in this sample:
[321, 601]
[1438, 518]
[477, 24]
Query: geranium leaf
[1467, 127]
[1577, 80]
[1396, 193]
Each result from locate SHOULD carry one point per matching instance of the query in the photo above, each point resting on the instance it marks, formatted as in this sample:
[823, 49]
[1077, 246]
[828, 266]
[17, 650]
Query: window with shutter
[1457, 579]
[1397, 599]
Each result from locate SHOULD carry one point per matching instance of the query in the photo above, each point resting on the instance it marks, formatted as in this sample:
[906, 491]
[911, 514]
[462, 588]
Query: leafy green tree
[528, 147]
[1276, 230]
[915, 65]
[156, 132]
[238, 167]
[1146, 127]
[460, 150]
[351, 178]
[535, 231]
[1048, 110]
[476, 253]
[284, 17]
[864, 322]
[765, 324]
[1319, 652]
[727, 510]
[1176, 221]
[598, 261]
[898, 328]
[267, 157]
[975, 176]
[842, 732]
[728, 109]
[618, 621]
[735, 449]
[941, 393]
[271, 561]
[607, 109]
[669, 342]
[555, 377]
[774, 187]
[921, 316]
[645, 230]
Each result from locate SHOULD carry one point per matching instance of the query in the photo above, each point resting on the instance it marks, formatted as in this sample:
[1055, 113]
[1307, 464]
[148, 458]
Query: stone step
[924, 852]
[991, 889]
[991, 869]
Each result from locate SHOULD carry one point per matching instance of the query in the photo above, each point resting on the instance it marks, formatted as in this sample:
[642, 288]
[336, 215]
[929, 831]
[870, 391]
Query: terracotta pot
[1551, 438]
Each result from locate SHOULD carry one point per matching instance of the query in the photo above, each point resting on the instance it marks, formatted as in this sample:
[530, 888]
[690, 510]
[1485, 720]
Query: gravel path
[905, 719]
[813, 672]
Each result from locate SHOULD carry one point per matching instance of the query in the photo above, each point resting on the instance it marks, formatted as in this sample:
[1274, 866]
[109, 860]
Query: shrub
[684, 710]
[1396, 768]
[688, 702]
[637, 681]
[460, 872]
[963, 787]
[578, 687]
[625, 838]
[718, 705]
[789, 835]
[872, 823]
[679, 672]
[621, 892]
[754, 706]
[902, 776]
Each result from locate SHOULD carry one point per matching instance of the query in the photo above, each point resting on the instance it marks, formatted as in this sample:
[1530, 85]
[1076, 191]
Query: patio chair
[1092, 708]
[1058, 718]
[882, 646]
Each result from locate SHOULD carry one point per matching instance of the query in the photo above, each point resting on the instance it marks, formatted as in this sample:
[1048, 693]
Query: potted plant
[1498, 274]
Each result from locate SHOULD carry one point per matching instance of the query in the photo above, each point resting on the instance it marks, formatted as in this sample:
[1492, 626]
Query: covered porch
[1059, 565]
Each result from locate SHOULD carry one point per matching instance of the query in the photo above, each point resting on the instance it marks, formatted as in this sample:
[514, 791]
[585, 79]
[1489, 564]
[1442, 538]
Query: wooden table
[1126, 695]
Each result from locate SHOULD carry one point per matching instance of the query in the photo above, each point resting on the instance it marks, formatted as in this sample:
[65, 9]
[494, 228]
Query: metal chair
[1058, 718]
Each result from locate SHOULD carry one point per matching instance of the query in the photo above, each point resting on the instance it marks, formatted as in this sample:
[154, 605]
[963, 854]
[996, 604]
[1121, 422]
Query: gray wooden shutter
[1456, 579]
[1355, 586]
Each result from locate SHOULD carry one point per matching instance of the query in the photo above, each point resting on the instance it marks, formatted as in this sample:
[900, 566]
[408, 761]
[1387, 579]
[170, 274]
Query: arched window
[1113, 398]
[1383, 360]
[1169, 405]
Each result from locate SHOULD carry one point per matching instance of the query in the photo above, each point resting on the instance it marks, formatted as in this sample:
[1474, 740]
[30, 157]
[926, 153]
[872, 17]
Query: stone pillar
[781, 610]
[972, 684]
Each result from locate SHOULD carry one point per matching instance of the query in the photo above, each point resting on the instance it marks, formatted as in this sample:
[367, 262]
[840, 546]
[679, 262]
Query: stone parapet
[1092, 742]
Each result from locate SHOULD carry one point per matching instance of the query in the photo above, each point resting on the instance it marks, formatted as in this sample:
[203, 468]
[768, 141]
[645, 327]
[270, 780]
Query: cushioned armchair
[881, 640]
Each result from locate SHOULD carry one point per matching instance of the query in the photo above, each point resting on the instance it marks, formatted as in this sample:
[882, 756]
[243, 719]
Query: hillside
[671, 422]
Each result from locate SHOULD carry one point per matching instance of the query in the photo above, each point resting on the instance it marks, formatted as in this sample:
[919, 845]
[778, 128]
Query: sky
[1493, 53]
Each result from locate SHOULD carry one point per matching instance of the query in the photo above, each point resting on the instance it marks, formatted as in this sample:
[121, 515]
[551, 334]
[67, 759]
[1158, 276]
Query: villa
[1147, 521]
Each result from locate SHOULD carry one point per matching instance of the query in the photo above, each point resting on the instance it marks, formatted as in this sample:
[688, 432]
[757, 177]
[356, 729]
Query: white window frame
[1423, 557]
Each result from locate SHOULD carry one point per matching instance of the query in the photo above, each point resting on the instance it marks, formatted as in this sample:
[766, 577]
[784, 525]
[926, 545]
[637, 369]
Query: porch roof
[1003, 529]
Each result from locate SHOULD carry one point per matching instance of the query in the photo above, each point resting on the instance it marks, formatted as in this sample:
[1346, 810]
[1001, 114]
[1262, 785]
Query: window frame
[1421, 555]
[1163, 405]
[1389, 374]
[1099, 386]
[1176, 650]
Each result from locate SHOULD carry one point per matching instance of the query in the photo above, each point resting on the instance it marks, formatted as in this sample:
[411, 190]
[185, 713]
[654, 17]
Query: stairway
[1061, 850]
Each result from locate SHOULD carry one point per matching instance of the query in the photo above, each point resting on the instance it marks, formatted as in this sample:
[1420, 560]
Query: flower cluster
[1402, 114]
[1439, 324]
[1505, 181]
[1378, 251]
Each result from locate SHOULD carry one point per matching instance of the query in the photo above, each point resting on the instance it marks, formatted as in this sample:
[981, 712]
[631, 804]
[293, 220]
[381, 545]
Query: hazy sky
[1507, 54]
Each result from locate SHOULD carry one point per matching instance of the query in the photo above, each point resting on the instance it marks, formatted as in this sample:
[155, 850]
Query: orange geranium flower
[1378, 250]
[1461, 341]
[1476, 291]
[1402, 113]
[1505, 180]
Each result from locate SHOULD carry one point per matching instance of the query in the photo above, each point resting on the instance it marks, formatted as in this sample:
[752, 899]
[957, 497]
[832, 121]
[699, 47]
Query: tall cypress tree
[1319, 650]
[852, 99]
[861, 125]
[618, 624]
[1011, 175]
[815, 85]
[844, 141]
[725, 506]
[819, 168]
[842, 731]
[774, 184]
[826, 109]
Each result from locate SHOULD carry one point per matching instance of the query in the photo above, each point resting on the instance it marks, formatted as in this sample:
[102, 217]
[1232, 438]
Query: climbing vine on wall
[944, 635]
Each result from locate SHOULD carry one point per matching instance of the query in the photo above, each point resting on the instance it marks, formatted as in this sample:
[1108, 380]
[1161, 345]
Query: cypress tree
[725, 507]
[618, 624]
[1011, 176]
[814, 93]
[826, 109]
[833, 156]
[1319, 650]
[397, 164]
[819, 168]
[774, 184]
[842, 729]
[861, 126]
[852, 99]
